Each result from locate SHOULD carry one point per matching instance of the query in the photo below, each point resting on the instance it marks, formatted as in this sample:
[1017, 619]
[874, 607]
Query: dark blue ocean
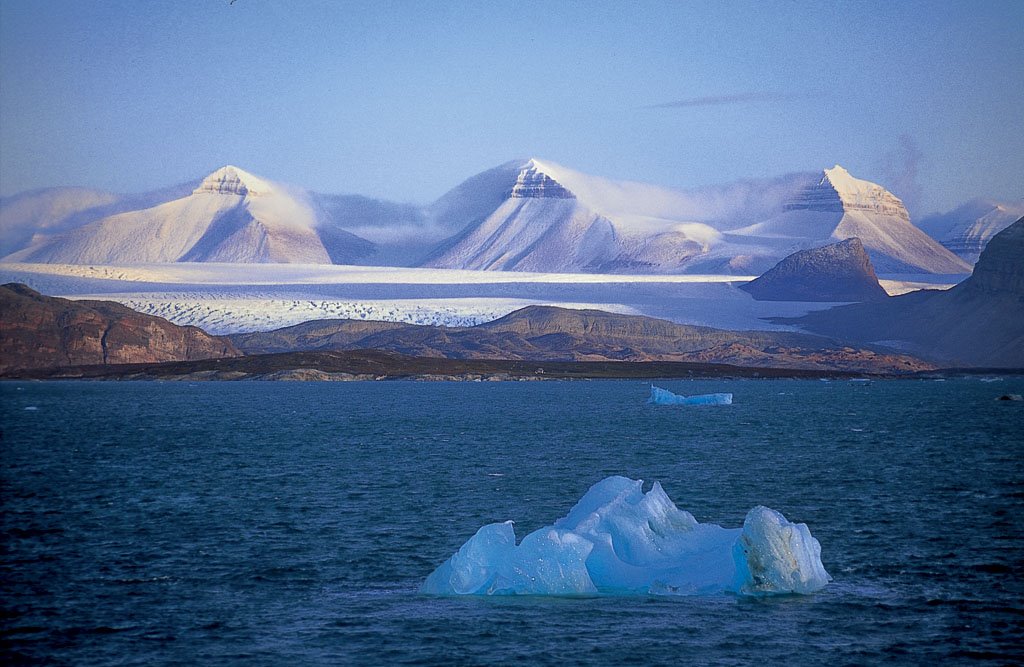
[292, 523]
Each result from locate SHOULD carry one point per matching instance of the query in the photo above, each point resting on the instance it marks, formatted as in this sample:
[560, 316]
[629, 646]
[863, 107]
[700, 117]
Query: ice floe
[661, 396]
[618, 540]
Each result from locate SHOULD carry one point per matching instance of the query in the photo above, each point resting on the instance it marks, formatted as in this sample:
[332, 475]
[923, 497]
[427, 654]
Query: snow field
[222, 316]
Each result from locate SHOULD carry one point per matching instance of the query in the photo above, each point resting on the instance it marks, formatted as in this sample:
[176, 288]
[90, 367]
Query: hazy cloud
[722, 100]
[901, 167]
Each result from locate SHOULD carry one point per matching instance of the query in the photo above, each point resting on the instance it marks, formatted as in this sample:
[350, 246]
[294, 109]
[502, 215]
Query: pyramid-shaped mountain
[534, 215]
[232, 216]
[840, 206]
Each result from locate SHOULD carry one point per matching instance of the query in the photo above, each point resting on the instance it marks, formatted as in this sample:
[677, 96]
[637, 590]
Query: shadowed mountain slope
[837, 272]
[979, 322]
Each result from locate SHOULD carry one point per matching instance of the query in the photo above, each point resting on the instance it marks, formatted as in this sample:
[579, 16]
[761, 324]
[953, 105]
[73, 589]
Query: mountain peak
[838, 191]
[846, 185]
[230, 180]
[534, 182]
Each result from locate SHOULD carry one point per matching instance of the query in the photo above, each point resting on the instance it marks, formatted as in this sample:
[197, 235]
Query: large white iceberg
[618, 540]
[661, 396]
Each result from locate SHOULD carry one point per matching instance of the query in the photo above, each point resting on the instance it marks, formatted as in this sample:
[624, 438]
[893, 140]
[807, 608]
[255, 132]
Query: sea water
[293, 523]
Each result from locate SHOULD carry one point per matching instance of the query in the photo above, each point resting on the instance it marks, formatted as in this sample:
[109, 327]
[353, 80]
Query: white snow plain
[233, 298]
[221, 315]
[618, 540]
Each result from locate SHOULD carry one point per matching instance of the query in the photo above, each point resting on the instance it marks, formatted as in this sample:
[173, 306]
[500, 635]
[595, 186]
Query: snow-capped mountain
[231, 216]
[967, 230]
[537, 216]
[839, 207]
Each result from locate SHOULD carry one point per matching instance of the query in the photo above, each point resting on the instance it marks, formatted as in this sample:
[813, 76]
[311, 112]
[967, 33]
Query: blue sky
[404, 100]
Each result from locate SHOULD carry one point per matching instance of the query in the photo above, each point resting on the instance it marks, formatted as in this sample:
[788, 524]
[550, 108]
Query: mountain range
[523, 215]
[231, 216]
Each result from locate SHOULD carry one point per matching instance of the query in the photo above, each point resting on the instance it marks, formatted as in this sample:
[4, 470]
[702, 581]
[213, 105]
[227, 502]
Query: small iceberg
[618, 540]
[661, 396]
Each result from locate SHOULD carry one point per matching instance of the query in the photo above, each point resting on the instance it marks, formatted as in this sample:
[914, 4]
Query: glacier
[661, 396]
[618, 540]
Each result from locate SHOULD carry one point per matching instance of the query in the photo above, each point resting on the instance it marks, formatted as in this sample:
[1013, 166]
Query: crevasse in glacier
[618, 540]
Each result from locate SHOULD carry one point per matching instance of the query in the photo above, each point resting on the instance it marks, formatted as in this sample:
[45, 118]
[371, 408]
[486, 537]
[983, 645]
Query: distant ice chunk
[661, 396]
[618, 540]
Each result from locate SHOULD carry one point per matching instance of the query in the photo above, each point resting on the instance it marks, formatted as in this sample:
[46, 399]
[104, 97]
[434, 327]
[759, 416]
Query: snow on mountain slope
[525, 215]
[232, 216]
[528, 216]
[840, 206]
[228, 314]
[967, 230]
[31, 217]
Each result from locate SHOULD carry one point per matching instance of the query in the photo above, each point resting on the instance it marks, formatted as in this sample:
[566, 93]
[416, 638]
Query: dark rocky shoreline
[372, 365]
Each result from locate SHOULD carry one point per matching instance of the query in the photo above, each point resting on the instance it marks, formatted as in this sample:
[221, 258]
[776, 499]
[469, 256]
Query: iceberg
[661, 396]
[618, 540]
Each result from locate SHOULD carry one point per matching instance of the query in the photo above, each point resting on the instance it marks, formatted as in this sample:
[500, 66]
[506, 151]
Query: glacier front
[618, 540]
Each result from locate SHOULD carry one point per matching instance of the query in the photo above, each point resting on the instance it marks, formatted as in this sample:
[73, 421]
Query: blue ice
[618, 540]
[661, 396]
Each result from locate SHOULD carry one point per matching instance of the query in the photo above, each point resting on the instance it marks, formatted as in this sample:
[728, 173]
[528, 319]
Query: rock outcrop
[38, 331]
[837, 272]
[231, 180]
